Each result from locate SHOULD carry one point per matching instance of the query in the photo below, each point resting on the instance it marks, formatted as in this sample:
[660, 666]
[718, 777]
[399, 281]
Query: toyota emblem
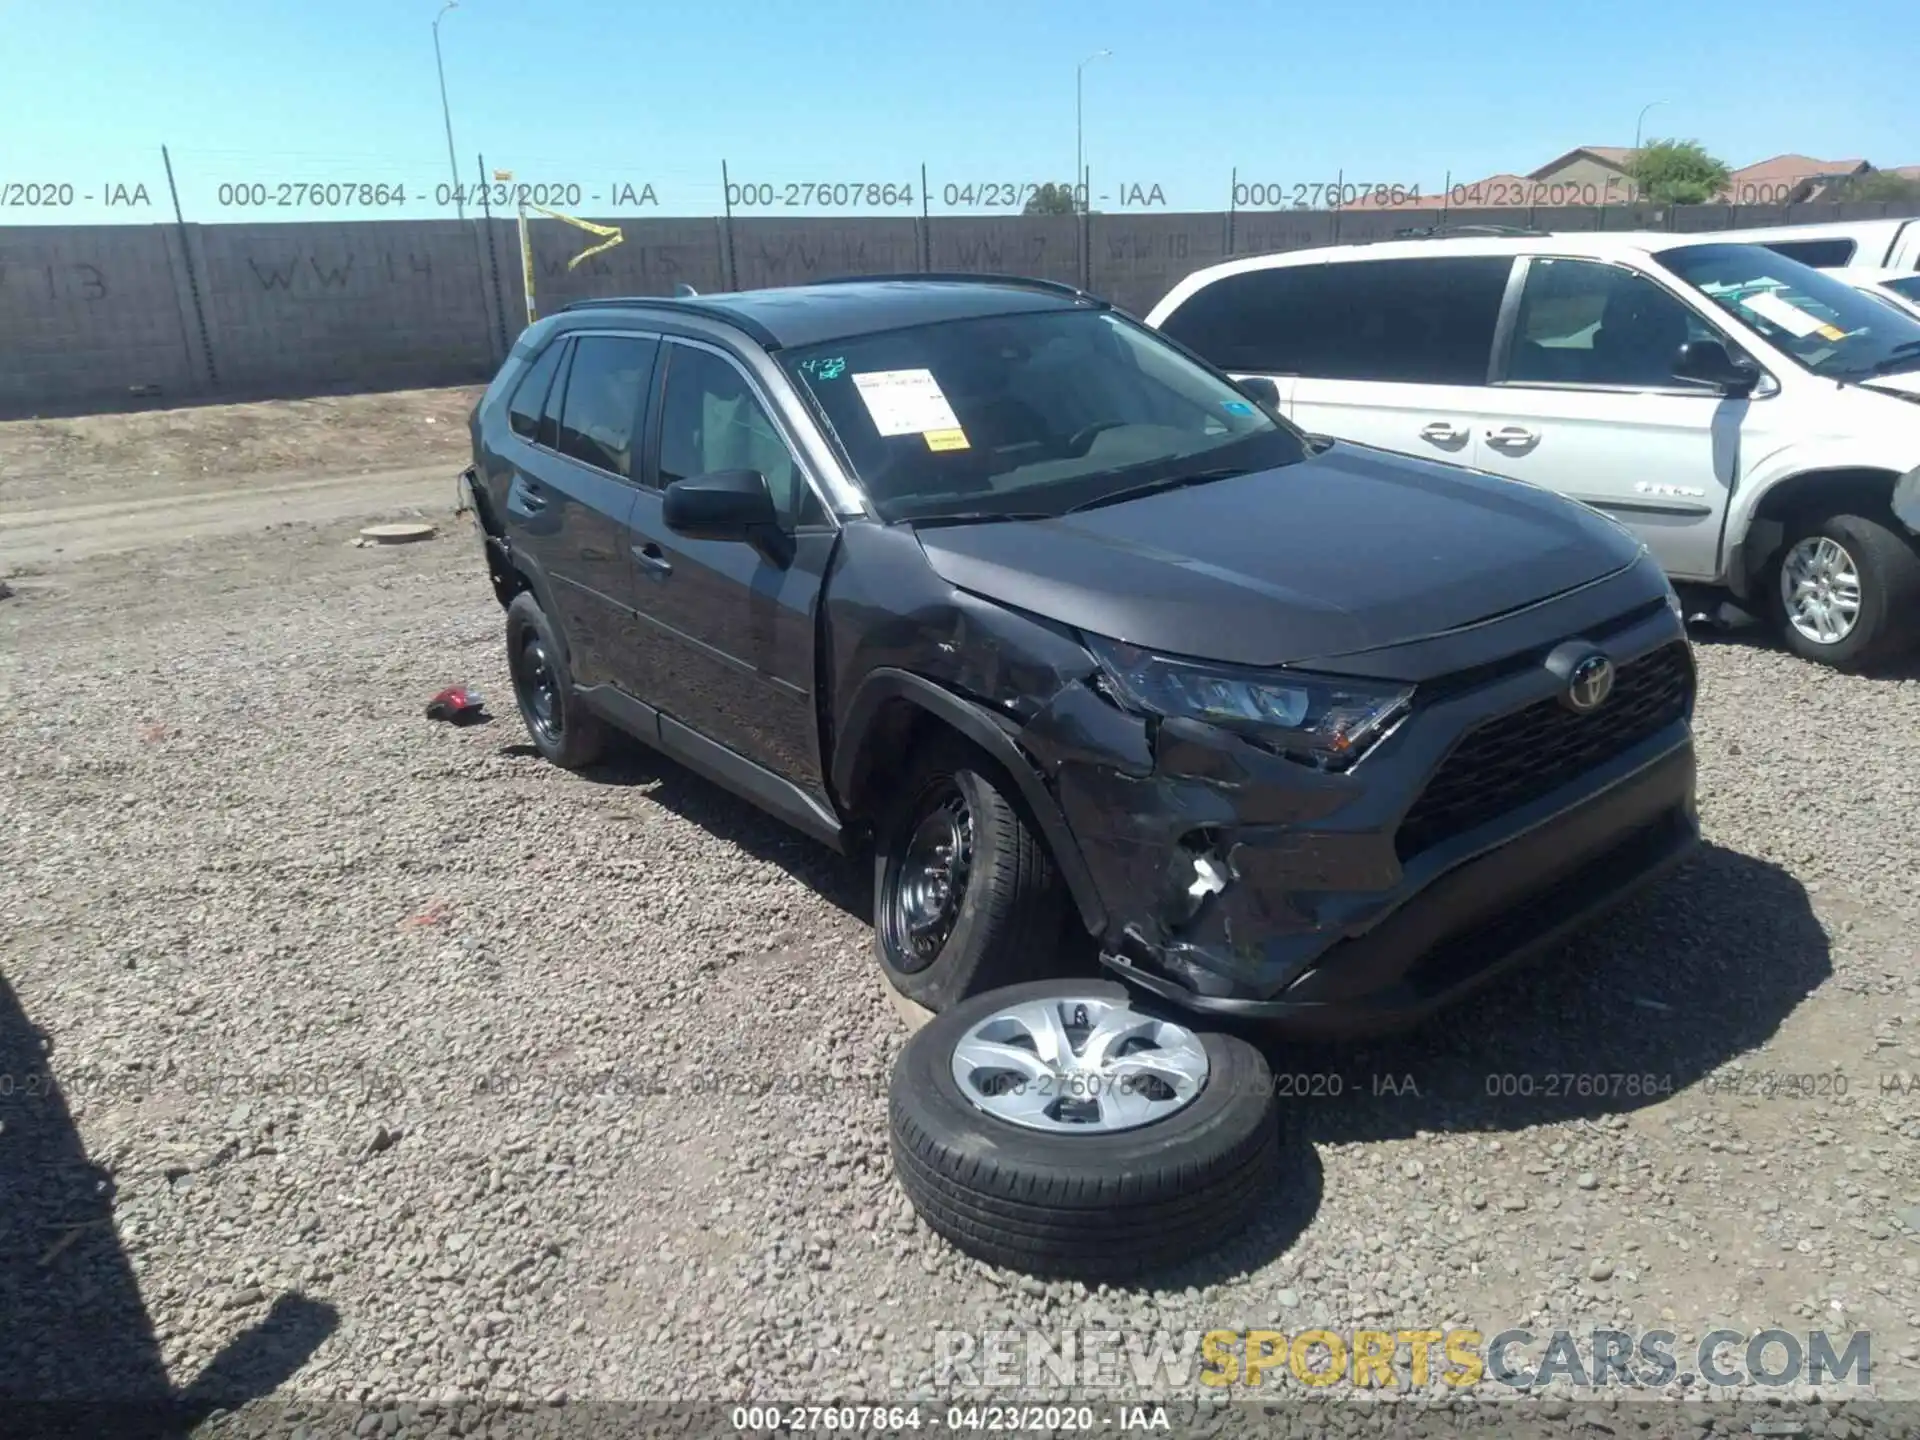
[1590, 683]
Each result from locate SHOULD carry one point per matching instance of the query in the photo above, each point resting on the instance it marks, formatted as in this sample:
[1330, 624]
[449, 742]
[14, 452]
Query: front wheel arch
[895, 711]
[1798, 499]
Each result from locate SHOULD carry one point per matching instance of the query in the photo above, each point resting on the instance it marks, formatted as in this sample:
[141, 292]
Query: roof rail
[1024, 282]
[761, 336]
[1440, 232]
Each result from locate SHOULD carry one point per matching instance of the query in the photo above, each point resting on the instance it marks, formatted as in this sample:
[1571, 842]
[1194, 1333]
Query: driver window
[710, 420]
[1585, 323]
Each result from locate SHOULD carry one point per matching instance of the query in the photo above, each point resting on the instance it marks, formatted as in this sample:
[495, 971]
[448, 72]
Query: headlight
[1324, 720]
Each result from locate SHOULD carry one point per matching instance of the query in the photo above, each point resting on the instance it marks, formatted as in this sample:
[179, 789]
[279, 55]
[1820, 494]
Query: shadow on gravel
[843, 881]
[1697, 972]
[77, 1349]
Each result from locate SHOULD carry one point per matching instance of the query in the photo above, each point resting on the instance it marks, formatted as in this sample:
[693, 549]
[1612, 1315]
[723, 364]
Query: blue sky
[270, 95]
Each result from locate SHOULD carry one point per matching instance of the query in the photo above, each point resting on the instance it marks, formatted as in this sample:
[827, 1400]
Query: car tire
[1886, 573]
[561, 727]
[1102, 1204]
[1005, 910]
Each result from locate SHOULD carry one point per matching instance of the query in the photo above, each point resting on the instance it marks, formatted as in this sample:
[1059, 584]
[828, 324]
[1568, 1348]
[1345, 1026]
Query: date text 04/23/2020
[909, 1419]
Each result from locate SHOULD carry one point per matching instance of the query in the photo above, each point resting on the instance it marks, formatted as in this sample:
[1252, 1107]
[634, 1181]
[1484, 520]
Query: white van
[1897, 287]
[1831, 244]
[1755, 421]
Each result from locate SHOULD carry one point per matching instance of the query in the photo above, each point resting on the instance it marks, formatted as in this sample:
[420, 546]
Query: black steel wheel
[965, 895]
[562, 729]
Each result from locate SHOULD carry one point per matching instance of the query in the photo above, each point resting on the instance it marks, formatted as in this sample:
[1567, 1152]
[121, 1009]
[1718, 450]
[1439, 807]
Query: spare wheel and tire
[1054, 1128]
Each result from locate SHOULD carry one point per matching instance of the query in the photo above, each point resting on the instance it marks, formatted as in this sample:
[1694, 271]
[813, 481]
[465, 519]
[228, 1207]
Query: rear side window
[1419, 321]
[1820, 254]
[601, 413]
[530, 396]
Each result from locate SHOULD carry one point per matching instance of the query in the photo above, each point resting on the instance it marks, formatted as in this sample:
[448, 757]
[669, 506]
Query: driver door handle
[1443, 432]
[1513, 436]
[652, 557]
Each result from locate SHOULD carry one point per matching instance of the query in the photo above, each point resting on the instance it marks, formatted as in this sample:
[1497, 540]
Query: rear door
[1384, 352]
[729, 633]
[572, 498]
[1585, 402]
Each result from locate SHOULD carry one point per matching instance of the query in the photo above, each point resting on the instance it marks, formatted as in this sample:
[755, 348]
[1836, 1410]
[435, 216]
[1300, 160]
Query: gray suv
[1094, 651]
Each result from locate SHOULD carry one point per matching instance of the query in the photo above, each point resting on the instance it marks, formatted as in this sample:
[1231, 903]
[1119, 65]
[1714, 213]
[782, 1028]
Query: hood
[1349, 550]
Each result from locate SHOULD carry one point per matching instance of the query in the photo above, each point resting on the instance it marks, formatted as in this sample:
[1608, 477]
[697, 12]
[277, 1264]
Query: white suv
[1756, 422]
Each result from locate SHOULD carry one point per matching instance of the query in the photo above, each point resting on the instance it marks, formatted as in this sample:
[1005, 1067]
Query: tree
[1051, 199]
[1875, 185]
[1677, 172]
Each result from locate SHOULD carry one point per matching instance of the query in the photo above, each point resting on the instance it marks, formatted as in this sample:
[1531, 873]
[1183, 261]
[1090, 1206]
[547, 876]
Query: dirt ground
[103, 483]
[157, 453]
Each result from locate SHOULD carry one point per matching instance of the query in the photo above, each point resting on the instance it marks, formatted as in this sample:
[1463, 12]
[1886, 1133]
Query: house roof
[1613, 155]
[1797, 167]
[1507, 190]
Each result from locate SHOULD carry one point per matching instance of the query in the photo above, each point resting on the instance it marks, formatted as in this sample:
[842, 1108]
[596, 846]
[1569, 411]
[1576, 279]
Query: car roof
[1871, 274]
[824, 311]
[1592, 244]
[1821, 230]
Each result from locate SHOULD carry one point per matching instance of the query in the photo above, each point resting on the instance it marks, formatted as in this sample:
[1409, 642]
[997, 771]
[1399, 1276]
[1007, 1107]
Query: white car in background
[1755, 421]
[1834, 244]
[1896, 287]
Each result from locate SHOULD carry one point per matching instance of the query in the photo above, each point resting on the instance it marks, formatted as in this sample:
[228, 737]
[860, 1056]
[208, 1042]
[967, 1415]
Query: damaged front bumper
[1490, 825]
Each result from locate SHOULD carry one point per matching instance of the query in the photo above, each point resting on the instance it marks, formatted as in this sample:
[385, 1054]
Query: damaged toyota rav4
[1095, 652]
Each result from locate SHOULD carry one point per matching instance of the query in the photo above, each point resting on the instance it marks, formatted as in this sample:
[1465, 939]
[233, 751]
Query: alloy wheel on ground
[1079, 1064]
[1070, 1127]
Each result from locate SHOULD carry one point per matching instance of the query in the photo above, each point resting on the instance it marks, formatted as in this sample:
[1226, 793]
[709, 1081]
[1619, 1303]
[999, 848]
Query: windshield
[1822, 322]
[1029, 414]
[1907, 286]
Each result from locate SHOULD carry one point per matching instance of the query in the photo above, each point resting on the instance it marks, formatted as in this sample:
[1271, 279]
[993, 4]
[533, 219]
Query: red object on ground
[457, 705]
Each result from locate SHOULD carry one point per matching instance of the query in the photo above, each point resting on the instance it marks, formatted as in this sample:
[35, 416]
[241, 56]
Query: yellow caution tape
[613, 233]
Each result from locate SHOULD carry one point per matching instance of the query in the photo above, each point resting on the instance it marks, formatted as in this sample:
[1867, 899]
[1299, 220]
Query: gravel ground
[394, 1062]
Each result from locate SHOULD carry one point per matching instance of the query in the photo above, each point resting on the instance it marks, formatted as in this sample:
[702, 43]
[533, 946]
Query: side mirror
[720, 505]
[1260, 388]
[1708, 362]
[728, 505]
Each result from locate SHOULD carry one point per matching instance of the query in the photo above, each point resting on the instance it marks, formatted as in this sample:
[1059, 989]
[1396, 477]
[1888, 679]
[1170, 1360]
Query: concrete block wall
[89, 314]
[94, 311]
[379, 303]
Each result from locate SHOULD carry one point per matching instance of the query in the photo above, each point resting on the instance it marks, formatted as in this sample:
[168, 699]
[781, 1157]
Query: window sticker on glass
[1236, 407]
[905, 402]
[1790, 318]
[946, 439]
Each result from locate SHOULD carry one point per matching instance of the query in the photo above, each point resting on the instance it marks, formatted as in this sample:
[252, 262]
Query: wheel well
[508, 579]
[898, 730]
[1811, 496]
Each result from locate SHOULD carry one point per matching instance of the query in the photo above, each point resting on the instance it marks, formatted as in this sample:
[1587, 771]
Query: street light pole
[1079, 126]
[1643, 120]
[459, 207]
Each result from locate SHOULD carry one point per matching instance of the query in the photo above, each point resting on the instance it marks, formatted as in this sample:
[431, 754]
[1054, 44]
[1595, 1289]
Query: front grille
[1517, 758]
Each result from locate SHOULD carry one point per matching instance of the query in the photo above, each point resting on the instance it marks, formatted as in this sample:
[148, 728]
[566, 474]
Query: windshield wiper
[1155, 487]
[1898, 358]
[977, 517]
